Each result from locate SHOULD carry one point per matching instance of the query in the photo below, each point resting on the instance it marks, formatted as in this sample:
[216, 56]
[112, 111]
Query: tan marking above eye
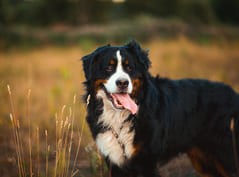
[112, 62]
[126, 61]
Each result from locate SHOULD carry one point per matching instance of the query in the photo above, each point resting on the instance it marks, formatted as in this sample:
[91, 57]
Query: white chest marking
[108, 144]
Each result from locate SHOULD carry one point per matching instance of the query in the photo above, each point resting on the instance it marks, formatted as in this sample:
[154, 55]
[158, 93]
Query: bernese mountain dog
[139, 121]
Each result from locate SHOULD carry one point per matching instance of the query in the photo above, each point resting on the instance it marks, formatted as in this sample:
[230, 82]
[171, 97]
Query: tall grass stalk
[78, 147]
[38, 151]
[47, 149]
[60, 146]
[80, 133]
[29, 132]
[64, 142]
[17, 139]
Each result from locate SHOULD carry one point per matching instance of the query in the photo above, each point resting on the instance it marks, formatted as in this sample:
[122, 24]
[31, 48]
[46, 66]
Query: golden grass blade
[80, 133]
[46, 145]
[38, 151]
[18, 142]
[29, 133]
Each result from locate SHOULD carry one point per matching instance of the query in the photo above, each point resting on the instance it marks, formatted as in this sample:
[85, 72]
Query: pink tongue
[126, 102]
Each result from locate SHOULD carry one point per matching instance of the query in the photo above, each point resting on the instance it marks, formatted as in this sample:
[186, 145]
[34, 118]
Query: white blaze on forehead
[119, 58]
[110, 85]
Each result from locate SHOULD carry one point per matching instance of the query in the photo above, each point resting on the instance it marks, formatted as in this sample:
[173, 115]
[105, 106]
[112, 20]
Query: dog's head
[117, 71]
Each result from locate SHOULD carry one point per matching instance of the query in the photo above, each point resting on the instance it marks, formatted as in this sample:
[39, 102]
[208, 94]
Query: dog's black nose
[122, 83]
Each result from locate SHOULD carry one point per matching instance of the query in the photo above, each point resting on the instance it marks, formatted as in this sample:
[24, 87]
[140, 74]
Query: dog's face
[118, 71]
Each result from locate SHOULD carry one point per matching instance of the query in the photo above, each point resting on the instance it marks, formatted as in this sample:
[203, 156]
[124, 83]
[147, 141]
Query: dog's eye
[128, 68]
[109, 68]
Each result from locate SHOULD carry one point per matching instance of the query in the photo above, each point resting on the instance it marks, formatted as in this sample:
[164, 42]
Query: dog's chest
[116, 142]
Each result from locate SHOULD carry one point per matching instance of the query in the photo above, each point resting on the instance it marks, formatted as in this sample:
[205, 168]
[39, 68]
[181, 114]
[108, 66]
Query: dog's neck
[116, 142]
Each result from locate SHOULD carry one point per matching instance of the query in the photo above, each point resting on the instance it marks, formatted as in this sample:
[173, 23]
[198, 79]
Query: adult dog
[138, 120]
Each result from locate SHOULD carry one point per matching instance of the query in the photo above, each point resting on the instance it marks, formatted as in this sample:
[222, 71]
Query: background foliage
[75, 12]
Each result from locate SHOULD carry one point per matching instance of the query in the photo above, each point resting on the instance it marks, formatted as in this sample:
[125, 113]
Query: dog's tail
[233, 127]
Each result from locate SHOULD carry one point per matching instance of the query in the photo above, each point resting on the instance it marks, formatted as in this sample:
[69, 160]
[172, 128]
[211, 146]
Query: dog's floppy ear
[89, 59]
[141, 54]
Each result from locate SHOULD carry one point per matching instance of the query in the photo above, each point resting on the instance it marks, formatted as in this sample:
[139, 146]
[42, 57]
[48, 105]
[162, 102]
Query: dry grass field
[43, 80]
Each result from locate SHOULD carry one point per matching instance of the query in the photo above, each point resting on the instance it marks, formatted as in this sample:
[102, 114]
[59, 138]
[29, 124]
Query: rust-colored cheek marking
[98, 84]
[200, 160]
[136, 87]
[137, 148]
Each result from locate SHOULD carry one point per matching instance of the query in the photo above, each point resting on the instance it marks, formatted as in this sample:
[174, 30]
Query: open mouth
[116, 103]
[122, 101]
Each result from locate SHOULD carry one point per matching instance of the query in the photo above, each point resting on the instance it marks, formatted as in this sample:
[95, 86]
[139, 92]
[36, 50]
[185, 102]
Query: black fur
[175, 116]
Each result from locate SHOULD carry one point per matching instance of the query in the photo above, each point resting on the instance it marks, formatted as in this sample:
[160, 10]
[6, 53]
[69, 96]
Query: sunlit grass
[65, 159]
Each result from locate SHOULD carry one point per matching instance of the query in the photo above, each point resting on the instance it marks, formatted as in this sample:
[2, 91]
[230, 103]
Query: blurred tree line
[75, 12]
